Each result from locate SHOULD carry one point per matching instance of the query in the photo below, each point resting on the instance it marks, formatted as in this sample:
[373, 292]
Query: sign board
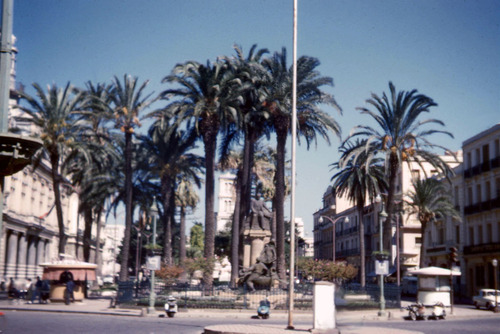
[382, 267]
[153, 262]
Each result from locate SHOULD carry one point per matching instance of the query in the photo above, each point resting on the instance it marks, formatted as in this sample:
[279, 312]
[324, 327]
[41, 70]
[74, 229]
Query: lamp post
[495, 264]
[151, 309]
[333, 221]
[381, 217]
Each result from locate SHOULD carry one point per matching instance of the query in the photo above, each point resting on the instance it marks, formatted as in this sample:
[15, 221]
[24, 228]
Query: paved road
[50, 322]
[21, 322]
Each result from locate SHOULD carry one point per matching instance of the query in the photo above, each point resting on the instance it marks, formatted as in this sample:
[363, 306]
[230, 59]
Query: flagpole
[292, 196]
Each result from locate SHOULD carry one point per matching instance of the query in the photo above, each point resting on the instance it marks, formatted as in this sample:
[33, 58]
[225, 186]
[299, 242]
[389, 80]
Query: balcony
[483, 248]
[495, 162]
[347, 252]
[438, 249]
[347, 231]
[483, 206]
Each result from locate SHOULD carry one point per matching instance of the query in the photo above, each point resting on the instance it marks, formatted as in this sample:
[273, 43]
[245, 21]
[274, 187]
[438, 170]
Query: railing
[483, 206]
[223, 297]
[483, 248]
[218, 297]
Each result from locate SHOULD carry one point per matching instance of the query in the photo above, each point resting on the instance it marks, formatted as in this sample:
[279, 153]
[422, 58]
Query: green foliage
[327, 270]
[197, 237]
[200, 263]
[169, 273]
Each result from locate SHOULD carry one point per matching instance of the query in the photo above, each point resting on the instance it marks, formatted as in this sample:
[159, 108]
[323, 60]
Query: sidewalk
[348, 322]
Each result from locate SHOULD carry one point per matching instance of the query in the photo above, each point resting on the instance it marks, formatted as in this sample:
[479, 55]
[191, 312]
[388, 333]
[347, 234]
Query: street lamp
[333, 221]
[381, 217]
[154, 213]
[495, 264]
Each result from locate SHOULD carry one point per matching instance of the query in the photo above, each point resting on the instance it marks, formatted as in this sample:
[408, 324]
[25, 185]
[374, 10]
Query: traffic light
[453, 254]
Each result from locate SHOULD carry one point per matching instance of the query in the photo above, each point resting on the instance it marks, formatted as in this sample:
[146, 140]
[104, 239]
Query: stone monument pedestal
[253, 244]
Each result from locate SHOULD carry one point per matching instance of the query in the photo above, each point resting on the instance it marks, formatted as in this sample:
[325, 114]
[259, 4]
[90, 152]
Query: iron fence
[221, 296]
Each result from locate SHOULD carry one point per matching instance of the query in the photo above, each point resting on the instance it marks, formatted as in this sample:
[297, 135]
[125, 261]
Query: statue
[260, 215]
[263, 272]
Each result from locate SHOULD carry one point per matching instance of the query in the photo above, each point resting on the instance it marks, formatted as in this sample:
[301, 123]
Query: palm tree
[127, 102]
[359, 180]
[186, 197]
[401, 136]
[53, 113]
[90, 157]
[311, 121]
[202, 104]
[170, 159]
[231, 160]
[430, 200]
[247, 84]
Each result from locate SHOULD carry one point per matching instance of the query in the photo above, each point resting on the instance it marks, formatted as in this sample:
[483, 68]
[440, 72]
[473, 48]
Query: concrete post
[324, 307]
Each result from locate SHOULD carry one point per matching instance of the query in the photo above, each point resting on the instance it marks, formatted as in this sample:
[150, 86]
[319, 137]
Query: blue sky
[446, 49]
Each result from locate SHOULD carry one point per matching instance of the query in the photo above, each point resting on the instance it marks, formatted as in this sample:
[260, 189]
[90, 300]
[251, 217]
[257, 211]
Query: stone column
[22, 256]
[254, 242]
[11, 264]
[32, 246]
[40, 253]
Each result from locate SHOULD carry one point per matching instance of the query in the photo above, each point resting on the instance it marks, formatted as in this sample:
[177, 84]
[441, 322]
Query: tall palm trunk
[362, 247]
[167, 231]
[246, 181]
[236, 231]
[56, 182]
[423, 223]
[182, 241]
[87, 233]
[281, 135]
[210, 143]
[128, 206]
[393, 179]
[98, 255]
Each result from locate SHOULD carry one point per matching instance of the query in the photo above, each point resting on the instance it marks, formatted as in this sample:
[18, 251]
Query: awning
[434, 271]
[81, 270]
[80, 274]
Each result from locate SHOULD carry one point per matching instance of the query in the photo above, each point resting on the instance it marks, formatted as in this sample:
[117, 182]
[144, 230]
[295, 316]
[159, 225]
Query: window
[469, 160]
[469, 196]
[480, 235]
[478, 157]
[497, 147]
[486, 153]
[418, 240]
[478, 194]
[441, 236]
[456, 197]
[471, 236]
[487, 194]
[489, 233]
[457, 234]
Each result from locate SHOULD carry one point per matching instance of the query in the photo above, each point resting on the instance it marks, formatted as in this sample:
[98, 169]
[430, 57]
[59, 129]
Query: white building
[346, 218]
[114, 237]
[481, 195]
[29, 234]
[226, 199]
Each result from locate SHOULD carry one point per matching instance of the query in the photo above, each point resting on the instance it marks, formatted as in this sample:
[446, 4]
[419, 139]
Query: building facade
[30, 233]
[481, 213]
[405, 229]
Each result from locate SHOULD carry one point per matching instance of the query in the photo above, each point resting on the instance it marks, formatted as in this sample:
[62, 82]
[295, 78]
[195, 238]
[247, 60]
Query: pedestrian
[26, 292]
[37, 291]
[45, 295]
[70, 287]
[12, 291]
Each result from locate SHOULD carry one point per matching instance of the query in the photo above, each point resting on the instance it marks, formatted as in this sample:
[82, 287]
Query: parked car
[486, 298]
[108, 279]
